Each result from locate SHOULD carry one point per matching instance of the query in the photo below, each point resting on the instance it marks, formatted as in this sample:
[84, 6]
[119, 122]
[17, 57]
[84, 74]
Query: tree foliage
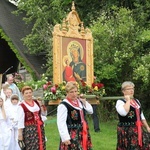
[120, 53]
[121, 31]
[115, 45]
[42, 15]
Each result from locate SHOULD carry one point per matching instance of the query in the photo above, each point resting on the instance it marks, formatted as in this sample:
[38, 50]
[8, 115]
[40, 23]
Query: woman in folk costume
[130, 133]
[71, 122]
[13, 115]
[5, 128]
[30, 125]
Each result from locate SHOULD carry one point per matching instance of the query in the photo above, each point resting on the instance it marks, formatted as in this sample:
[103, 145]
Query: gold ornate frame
[72, 31]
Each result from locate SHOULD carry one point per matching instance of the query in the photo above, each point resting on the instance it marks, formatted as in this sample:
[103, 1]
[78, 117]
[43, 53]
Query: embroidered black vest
[73, 116]
[130, 118]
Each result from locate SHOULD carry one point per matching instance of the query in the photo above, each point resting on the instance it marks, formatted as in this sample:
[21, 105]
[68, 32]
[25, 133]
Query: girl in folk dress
[5, 128]
[13, 115]
[71, 122]
[30, 125]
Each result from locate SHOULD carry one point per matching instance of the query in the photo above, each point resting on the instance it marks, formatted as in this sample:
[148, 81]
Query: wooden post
[1, 75]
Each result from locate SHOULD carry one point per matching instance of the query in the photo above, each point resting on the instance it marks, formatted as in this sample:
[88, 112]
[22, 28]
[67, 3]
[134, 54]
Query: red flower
[53, 90]
[45, 86]
[49, 83]
[100, 85]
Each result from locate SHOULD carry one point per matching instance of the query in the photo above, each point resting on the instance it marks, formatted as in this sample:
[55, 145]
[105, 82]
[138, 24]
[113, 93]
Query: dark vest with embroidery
[130, 118]
[73, 116]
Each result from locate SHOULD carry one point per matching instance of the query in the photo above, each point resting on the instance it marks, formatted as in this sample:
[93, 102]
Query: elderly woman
[30, 124]
[71, 122]
[131, 119]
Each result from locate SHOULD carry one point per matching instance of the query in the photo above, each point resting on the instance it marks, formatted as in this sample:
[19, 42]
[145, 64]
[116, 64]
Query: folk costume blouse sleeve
[120, 109]
[61, 122]
[88, 108]
[21, 117]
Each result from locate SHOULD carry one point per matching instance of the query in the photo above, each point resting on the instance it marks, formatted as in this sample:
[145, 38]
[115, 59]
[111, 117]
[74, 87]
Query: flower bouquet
[54, 91]
[96, 90]
[57, 91]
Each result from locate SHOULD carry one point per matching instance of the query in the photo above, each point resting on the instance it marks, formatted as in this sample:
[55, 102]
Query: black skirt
[127, 138]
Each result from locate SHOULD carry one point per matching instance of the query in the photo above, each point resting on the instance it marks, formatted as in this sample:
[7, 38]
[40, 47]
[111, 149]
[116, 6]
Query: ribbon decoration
[139, 124]
[84, 132]
[84, 124]
[39, 123]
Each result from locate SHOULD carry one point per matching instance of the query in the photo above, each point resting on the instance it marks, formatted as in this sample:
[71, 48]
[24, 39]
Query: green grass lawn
[104, 140]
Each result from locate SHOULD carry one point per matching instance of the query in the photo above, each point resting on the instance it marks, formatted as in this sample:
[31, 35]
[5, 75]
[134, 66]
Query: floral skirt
[31, 138]
[76, 141]
[127, 137]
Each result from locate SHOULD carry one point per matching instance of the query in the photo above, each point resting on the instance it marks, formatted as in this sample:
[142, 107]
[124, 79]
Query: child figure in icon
[68, 71]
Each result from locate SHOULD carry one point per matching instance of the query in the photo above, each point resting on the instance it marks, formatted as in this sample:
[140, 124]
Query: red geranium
[99, 85]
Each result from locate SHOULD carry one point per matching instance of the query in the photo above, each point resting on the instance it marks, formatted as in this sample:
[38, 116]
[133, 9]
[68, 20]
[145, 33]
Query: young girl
[8, 93]
[13, 115]
[3, 91]
[5, 128]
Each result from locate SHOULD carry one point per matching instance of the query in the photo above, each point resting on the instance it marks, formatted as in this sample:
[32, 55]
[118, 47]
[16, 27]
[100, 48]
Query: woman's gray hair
[127, 83]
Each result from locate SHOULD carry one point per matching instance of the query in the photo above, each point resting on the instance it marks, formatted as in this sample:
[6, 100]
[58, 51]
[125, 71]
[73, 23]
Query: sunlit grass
[104, 140]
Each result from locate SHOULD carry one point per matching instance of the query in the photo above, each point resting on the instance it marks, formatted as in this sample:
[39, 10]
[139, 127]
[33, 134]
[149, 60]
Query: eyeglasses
[129, 89]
